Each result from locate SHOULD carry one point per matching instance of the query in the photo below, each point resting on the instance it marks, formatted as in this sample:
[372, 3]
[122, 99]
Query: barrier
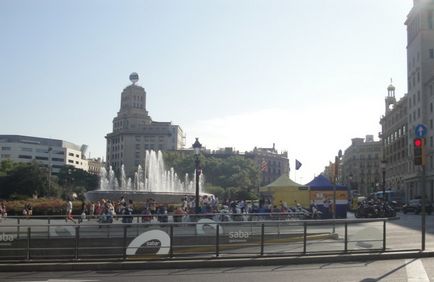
[31, 240]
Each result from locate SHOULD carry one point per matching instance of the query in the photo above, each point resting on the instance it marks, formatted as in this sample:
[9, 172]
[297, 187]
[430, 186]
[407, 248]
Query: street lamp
[337, 159]
[197, 146]
[383, 172]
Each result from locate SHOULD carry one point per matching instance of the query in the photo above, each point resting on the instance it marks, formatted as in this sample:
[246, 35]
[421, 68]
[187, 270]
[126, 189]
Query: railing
[201, 238]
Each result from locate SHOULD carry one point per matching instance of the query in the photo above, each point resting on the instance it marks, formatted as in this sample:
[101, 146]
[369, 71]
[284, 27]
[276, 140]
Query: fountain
[152, 181]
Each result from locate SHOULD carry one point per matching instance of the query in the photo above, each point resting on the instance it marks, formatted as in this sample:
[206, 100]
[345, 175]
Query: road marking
[415, 271]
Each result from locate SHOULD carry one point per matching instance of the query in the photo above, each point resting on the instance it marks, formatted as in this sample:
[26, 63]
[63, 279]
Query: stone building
[420, 75]
[271, 163]
[134, 131]
[361, 165]
[394, 137]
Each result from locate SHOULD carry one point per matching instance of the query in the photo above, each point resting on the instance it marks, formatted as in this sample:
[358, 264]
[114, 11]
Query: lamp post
[337, 159]
[383, 173]
[49, 169]
[197, 146]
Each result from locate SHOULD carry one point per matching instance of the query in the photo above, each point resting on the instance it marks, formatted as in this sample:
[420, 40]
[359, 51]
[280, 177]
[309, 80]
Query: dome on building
[390, 87]
[134, 77]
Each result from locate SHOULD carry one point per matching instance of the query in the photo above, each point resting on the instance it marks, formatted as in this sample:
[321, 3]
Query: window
[6, 148]
[25, 157]
[71, 154]
[431, 53]
[77, 155]
[5, 156]
[27, 149]
[57, 160]
[41, 158]
[70, 161]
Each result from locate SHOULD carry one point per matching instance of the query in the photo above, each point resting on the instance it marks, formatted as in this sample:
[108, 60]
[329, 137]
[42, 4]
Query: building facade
[48, 152]
[420, 75]
[134, 132]
[394, 138]
[271, 163]
[361, 165]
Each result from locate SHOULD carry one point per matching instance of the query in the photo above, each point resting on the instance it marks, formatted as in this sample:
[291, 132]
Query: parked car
[415, 205]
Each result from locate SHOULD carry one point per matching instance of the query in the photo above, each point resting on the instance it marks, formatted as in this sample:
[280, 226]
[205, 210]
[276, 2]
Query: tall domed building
[134, 131]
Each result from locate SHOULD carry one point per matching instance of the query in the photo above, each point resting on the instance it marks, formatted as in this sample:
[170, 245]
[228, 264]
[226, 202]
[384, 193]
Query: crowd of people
[106, 211]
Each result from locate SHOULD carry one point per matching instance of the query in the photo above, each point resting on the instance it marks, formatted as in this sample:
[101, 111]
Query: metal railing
[202, 238]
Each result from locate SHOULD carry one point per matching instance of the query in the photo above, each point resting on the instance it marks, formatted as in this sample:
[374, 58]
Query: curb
[205, 263]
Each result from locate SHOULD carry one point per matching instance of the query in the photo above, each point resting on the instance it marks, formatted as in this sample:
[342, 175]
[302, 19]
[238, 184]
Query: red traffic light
[418, 142]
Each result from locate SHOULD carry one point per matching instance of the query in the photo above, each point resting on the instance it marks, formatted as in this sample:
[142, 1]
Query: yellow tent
[285, 190]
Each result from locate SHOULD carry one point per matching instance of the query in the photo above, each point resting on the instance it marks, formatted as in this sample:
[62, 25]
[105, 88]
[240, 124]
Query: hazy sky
[305, 75]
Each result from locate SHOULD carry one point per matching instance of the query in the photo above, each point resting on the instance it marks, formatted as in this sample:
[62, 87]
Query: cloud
[312, 136]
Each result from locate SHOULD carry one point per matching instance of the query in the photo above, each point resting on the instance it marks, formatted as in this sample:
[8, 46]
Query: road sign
[420, 130]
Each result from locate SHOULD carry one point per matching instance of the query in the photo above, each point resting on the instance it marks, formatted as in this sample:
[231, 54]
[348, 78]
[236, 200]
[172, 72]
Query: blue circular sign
[420, 130]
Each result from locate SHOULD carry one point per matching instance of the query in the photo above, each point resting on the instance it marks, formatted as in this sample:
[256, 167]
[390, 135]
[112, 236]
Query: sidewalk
[203, 263]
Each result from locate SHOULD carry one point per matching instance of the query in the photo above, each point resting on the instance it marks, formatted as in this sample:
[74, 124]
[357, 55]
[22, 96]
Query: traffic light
[418, 144]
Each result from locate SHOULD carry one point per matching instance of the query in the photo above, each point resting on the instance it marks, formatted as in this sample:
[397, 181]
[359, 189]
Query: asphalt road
[420, 270]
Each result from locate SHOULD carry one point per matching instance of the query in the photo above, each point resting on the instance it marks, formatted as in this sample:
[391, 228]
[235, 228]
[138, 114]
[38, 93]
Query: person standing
[69, 211]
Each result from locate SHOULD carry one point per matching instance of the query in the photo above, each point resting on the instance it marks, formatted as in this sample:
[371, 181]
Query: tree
[236, 175]
[26, 179]
[75, 180]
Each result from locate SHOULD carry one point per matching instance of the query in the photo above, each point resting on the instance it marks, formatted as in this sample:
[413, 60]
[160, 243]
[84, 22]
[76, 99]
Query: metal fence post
[384, 235]
[346, 237]
[29, 232]
[125, 243]
[304, 237]
[217, 241]
[171, 242]
[49, 223]
[77, 239]
[262, 239]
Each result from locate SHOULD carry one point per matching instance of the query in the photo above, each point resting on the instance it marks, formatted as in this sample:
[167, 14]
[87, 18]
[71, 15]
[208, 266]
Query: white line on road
[415, 271]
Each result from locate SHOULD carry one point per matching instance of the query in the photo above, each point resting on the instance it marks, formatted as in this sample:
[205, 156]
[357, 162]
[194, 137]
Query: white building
[56, 153]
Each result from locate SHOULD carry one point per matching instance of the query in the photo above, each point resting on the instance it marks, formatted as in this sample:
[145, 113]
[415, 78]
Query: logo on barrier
[152, 238]
[238, 236]
[6, 238]
[207, 222]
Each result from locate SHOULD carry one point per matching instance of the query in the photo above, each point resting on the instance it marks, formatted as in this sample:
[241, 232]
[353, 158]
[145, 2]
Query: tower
[390, 98]
[134, 131]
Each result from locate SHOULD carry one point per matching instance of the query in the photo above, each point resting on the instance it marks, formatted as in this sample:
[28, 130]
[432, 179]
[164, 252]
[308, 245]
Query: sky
[305, 75]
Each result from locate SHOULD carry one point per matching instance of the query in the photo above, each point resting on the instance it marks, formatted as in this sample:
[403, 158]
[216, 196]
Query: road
[420, 270]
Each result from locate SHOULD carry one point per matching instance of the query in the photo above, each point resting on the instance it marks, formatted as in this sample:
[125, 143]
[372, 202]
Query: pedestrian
[69, 211]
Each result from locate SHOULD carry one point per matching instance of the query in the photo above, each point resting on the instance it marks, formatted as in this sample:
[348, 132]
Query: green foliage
[74, 180]
[23, 180]
[215, 190]
[234, 177]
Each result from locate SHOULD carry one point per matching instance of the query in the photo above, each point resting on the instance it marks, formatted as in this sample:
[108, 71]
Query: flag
[297, 164]
[264, 166]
